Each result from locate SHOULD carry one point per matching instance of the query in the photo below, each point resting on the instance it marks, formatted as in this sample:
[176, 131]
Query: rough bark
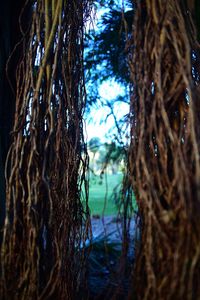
[46, 224]
[165, 147]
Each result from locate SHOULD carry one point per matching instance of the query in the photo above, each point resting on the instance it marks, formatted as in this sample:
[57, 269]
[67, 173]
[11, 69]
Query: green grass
[98, 194]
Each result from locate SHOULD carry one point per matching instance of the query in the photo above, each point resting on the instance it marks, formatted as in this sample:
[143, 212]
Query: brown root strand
[42, 253]
[164, 153]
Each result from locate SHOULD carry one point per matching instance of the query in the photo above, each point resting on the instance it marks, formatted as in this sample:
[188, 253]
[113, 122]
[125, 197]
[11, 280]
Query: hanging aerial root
[42, 253]
[164, 154]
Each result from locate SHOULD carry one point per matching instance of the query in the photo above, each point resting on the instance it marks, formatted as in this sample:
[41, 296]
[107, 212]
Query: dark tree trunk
[165, 149]
[10, 35]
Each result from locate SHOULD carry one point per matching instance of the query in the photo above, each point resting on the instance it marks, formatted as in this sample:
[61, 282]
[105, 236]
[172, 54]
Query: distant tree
[111, 155]
[94, 145]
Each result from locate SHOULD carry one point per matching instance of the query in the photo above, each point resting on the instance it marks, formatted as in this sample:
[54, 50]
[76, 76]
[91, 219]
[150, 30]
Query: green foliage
[109, 47]
[105, 55]
[94, 144]
[111, 155]
[115, 153]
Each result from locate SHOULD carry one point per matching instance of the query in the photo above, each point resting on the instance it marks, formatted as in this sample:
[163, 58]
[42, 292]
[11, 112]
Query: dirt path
[110, 227]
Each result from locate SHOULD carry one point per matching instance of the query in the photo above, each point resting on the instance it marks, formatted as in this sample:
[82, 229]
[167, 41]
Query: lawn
[100, 193]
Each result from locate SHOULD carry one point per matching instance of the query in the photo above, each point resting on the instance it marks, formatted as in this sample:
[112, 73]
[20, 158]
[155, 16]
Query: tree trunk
[42, 253]
[10, 35]
[165, 147]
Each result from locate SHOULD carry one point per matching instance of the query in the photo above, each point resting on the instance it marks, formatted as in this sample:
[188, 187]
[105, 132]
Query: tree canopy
[105, 54]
